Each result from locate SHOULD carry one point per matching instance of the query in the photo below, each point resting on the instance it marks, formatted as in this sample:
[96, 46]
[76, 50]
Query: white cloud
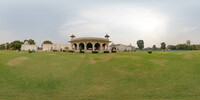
[125, 23]
[187, 29]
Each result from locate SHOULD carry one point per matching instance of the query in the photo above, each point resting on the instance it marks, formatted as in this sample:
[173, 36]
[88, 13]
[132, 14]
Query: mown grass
[121, 76]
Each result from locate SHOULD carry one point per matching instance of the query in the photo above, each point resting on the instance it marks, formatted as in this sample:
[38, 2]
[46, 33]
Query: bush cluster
[106, 51]
[55, 50]
[150, 52]
[95, 51]
[183, 47]
[71, 51]
[114, 51]
[82, 51]
[64, 51]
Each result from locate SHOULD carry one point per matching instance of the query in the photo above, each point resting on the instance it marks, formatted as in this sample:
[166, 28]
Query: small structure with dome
[89, 44]
[27, 46]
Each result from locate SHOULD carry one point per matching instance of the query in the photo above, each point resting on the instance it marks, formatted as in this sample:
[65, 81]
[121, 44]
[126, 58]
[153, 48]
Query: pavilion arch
[114, 48]
[89, 46]
[104, 46]
[75, 46]
[97, 46]
[82, 46]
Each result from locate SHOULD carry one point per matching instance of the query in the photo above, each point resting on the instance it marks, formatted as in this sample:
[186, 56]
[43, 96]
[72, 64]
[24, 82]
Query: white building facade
[58, 47]
[26, 46]
[121, 47]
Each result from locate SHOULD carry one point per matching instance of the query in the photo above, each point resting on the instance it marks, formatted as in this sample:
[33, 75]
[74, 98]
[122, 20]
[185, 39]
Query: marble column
[72, 46]
[107, 47]
[93, 44]
[101, 49]
[77, 46]
[85, 46]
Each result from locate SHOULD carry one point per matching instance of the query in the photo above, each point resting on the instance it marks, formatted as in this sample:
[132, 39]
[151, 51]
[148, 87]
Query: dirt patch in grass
[187, 57]
[92, 61]
[105, 58]
[139, 65]
[17, 61]
[160, 62]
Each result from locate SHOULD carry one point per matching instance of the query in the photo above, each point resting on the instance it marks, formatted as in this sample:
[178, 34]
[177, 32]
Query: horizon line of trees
[187, 46]
[16, 45]
[140, 44]
[183, 47]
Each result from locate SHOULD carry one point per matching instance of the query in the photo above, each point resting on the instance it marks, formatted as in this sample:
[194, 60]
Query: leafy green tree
[194, 47]
[186, 47]
[154, 47]
[47, 42]
[163, 46]
[2, 46]
[171, 47]
[30, 41]
[140, 44]
[16, 45]
[7, 46]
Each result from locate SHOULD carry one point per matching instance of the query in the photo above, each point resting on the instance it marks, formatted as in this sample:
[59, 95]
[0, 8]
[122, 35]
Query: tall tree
[47, 42]
[16, 45]
[140, 44]
[7, 46]
[30, 41]
[2, 46]
[163, 46]
[154, 47]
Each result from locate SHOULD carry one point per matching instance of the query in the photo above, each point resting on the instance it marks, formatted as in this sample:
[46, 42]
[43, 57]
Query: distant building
[122, 47]
[27, 46]
[51, 47]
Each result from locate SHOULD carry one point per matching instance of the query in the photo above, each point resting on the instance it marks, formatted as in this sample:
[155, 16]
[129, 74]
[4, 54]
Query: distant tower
[107, 36]
[188, 42]
[72, 36]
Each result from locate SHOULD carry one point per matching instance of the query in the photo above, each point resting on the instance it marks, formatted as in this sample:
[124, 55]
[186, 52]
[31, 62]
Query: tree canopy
[163, 45]
[47, 42]
[16, 45]
[154, 47]
[30, 41]
[171, 47]
[140, 44]
[2, 46]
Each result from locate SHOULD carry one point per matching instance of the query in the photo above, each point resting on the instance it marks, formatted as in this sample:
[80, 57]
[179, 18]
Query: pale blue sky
[126, 21]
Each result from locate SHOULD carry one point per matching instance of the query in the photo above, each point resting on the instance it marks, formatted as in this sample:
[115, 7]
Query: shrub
[113, 51]
[82, 51]
[64, 50]
[55, 50]
[29, 51]
[106, 51]
[95, 51]
[71, 51]
[150, 52]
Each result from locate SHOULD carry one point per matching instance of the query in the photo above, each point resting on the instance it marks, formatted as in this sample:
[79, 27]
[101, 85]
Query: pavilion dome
[90, 39]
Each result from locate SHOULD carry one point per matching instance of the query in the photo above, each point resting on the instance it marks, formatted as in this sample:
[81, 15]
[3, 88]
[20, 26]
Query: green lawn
[121, 76]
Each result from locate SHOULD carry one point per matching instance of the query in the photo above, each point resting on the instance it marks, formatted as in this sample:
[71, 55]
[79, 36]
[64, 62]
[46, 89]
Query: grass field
[121, 76]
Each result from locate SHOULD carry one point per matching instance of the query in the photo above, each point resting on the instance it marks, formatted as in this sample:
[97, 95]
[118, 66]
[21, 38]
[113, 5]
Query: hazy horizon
[126, 21]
